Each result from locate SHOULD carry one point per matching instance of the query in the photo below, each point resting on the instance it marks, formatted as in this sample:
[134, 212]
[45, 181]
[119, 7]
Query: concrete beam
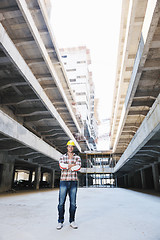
[23, 68]
[10, 14]
[23, 150]
[12, 100]
[150, 151]
[43, 31]
[138, 112]
[146, 94]
[148, 128]
[6, 83]
[145, 103]
[33, 61]
[29, 155]
[23, 39]
[17, 132]
[30, 111]
[9, 9]
[4, 60]
[152, 64]
[52, 135]
[9, 145]
[39, 117]
[47, 129]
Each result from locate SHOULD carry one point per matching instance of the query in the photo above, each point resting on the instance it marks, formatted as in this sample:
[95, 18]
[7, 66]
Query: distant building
[76, 62]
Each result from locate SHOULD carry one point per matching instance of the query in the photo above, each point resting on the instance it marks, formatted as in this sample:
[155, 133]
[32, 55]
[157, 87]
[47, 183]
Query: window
[81, 61]
[81, 103]
[80, 93]
[71, 70]
[83, 76]
[72, 80]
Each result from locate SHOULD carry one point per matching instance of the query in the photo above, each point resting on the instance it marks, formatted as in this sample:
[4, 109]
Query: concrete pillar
[134, 181]
[116, 185]
[86, 179]
[37, 176]
[143, 179]
[155, 176]
[41, 176]
[125, 181]
[131, 179]
[81, 181]
[6, 172]
[52, 178]
[30, 176]
[101, 181]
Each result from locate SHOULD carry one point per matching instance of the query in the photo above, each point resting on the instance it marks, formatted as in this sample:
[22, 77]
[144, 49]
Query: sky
[94, 24]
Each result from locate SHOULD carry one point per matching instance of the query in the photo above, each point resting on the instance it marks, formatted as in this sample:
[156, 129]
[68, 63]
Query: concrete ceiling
[144, 84]
[34, 89]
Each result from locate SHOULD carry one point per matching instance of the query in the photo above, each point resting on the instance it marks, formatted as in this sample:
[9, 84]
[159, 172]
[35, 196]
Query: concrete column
[134, 181]
[116, 185]
[37, 176]
[131, 179]
[6, 172]
[155, 176]
[143, 179]
[86, 179]
[125, 181]
[101, 181]
[30, 176]
[52, 178]
[42, 176]
[81, 178]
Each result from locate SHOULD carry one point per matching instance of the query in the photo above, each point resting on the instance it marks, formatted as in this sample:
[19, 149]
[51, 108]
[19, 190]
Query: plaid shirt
[69, 175]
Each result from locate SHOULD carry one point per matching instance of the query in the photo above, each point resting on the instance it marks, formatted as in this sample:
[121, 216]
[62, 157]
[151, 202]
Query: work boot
[74, 225]
[59, 226]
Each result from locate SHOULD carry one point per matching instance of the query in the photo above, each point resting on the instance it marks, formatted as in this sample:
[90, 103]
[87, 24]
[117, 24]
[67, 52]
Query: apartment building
[77, 62]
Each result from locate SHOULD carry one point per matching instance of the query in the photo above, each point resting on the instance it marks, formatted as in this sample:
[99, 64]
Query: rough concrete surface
[112, 214]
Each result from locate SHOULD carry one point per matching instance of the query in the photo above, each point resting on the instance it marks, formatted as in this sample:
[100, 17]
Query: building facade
[76, 62]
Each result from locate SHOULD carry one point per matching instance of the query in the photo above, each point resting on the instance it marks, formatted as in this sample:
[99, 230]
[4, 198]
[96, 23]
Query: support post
[155, 176]
[30, 176]
[125, 181]
[143, 179]
[52, 178]
[86, 180]
[116, 182]
[37, 176]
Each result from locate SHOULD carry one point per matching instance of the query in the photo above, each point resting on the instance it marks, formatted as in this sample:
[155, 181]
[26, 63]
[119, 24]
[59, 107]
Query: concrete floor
[112, 214]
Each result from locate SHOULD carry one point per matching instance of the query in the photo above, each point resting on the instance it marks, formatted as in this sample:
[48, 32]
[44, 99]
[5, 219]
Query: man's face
[70, 148]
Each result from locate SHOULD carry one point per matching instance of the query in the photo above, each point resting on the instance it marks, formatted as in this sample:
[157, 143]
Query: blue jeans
[69, 187]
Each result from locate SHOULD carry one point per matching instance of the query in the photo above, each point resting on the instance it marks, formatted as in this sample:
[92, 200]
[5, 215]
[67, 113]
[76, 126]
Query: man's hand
[70, 166]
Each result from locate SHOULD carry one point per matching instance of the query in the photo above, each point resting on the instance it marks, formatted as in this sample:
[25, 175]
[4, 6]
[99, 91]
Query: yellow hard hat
[70, 143]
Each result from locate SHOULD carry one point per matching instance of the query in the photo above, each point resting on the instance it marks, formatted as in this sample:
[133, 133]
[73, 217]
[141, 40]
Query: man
[69, 164]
